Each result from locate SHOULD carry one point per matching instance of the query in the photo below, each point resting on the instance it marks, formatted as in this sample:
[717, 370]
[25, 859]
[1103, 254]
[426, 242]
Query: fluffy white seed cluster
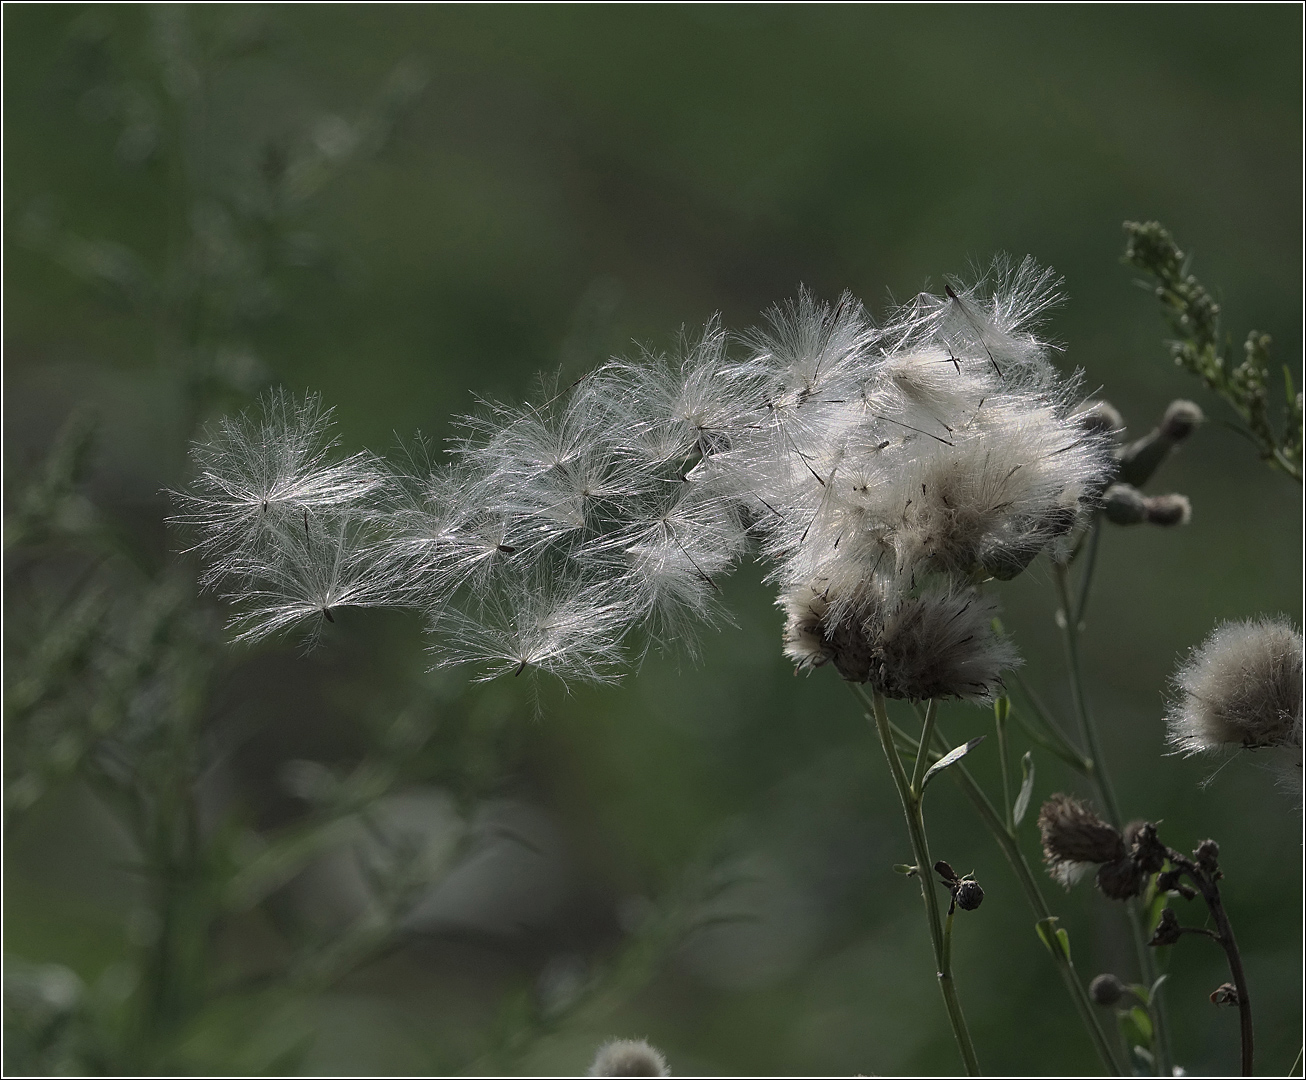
[1242, 688]
[628, 1057]
[881, 470]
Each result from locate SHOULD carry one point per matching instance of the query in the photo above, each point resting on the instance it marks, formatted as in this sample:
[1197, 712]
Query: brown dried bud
[969, 895]
[1106, 990]
[1207, 855]
[1120, 880]
[1145, 847]
[1168, 930]
[1074, 835]
[1225, 994]
[1170, 882]
[1181, 420]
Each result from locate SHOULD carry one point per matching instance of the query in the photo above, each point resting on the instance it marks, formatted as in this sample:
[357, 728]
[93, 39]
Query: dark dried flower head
[1241, 688]
[1074, 838]
[969, 895]
[1121, 879]
[628, 1057]
[1207, 855]
[1168, 930]
[1145, 847]
[1106, 990]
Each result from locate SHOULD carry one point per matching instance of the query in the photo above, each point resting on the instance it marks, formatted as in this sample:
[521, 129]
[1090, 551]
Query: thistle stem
[1029, 884]
[911, 808]
[923, 747]
[1069, 616]
[1208, 886]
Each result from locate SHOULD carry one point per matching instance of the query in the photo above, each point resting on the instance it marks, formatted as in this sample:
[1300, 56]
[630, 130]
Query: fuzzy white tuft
[1242, 687]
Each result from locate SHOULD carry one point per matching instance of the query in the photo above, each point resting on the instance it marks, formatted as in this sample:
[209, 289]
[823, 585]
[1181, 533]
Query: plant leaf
[1057, 941]
[950, 758]
[1026, 788]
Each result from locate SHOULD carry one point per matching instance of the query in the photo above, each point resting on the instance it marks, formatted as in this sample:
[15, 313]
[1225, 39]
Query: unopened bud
[1102, 416]
[1168, 930]
[1141, 458]
[1168, 510]
[1124, 504]
[1181, 420]
[1106, 990]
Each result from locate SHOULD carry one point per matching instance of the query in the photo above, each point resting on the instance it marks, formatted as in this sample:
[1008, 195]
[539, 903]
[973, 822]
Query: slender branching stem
[1016, 859]
[1000, 723]
[1208, 885]
[1069, 619]
[923, 747]
[911, 808]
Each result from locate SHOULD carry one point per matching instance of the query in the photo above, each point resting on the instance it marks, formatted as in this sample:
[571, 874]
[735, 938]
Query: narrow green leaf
[950, 758]
[1057, 941]
[903, 868]
[1142, 1022]
[1026, 788]
[1001, 708]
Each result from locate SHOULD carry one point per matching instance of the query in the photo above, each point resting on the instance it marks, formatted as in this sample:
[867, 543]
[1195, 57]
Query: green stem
[911, 808]
[1070, 639]
[1067, 618]
[1029, 885]
[1000, 709]
[923, 747]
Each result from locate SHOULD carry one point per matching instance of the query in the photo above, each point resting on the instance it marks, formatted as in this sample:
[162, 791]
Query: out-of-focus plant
[1202, 348]
[112, 657]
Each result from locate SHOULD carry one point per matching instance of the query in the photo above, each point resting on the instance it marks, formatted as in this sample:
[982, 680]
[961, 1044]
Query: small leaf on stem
[950, 758]
[1026, 789]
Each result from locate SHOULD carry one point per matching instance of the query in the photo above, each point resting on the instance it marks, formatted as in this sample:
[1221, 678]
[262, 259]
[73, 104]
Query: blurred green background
[551, 184]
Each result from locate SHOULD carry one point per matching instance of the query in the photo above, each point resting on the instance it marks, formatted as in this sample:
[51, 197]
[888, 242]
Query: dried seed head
[1241, 687]
[1181, 420]
[1168, 510]
[1120, 880]
[628, 1057]
[969, 895]
[941, 644]
[1207, 855]
[1168, 930]
[1124, 504]
[1074, 837]
[1145, 847]
[1106, 990]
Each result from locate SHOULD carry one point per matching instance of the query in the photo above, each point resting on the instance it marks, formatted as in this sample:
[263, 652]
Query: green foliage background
[572, 178]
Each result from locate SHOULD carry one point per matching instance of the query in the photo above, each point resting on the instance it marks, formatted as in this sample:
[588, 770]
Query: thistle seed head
[1074, 837]
[1242, 687]
[628, 1057]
